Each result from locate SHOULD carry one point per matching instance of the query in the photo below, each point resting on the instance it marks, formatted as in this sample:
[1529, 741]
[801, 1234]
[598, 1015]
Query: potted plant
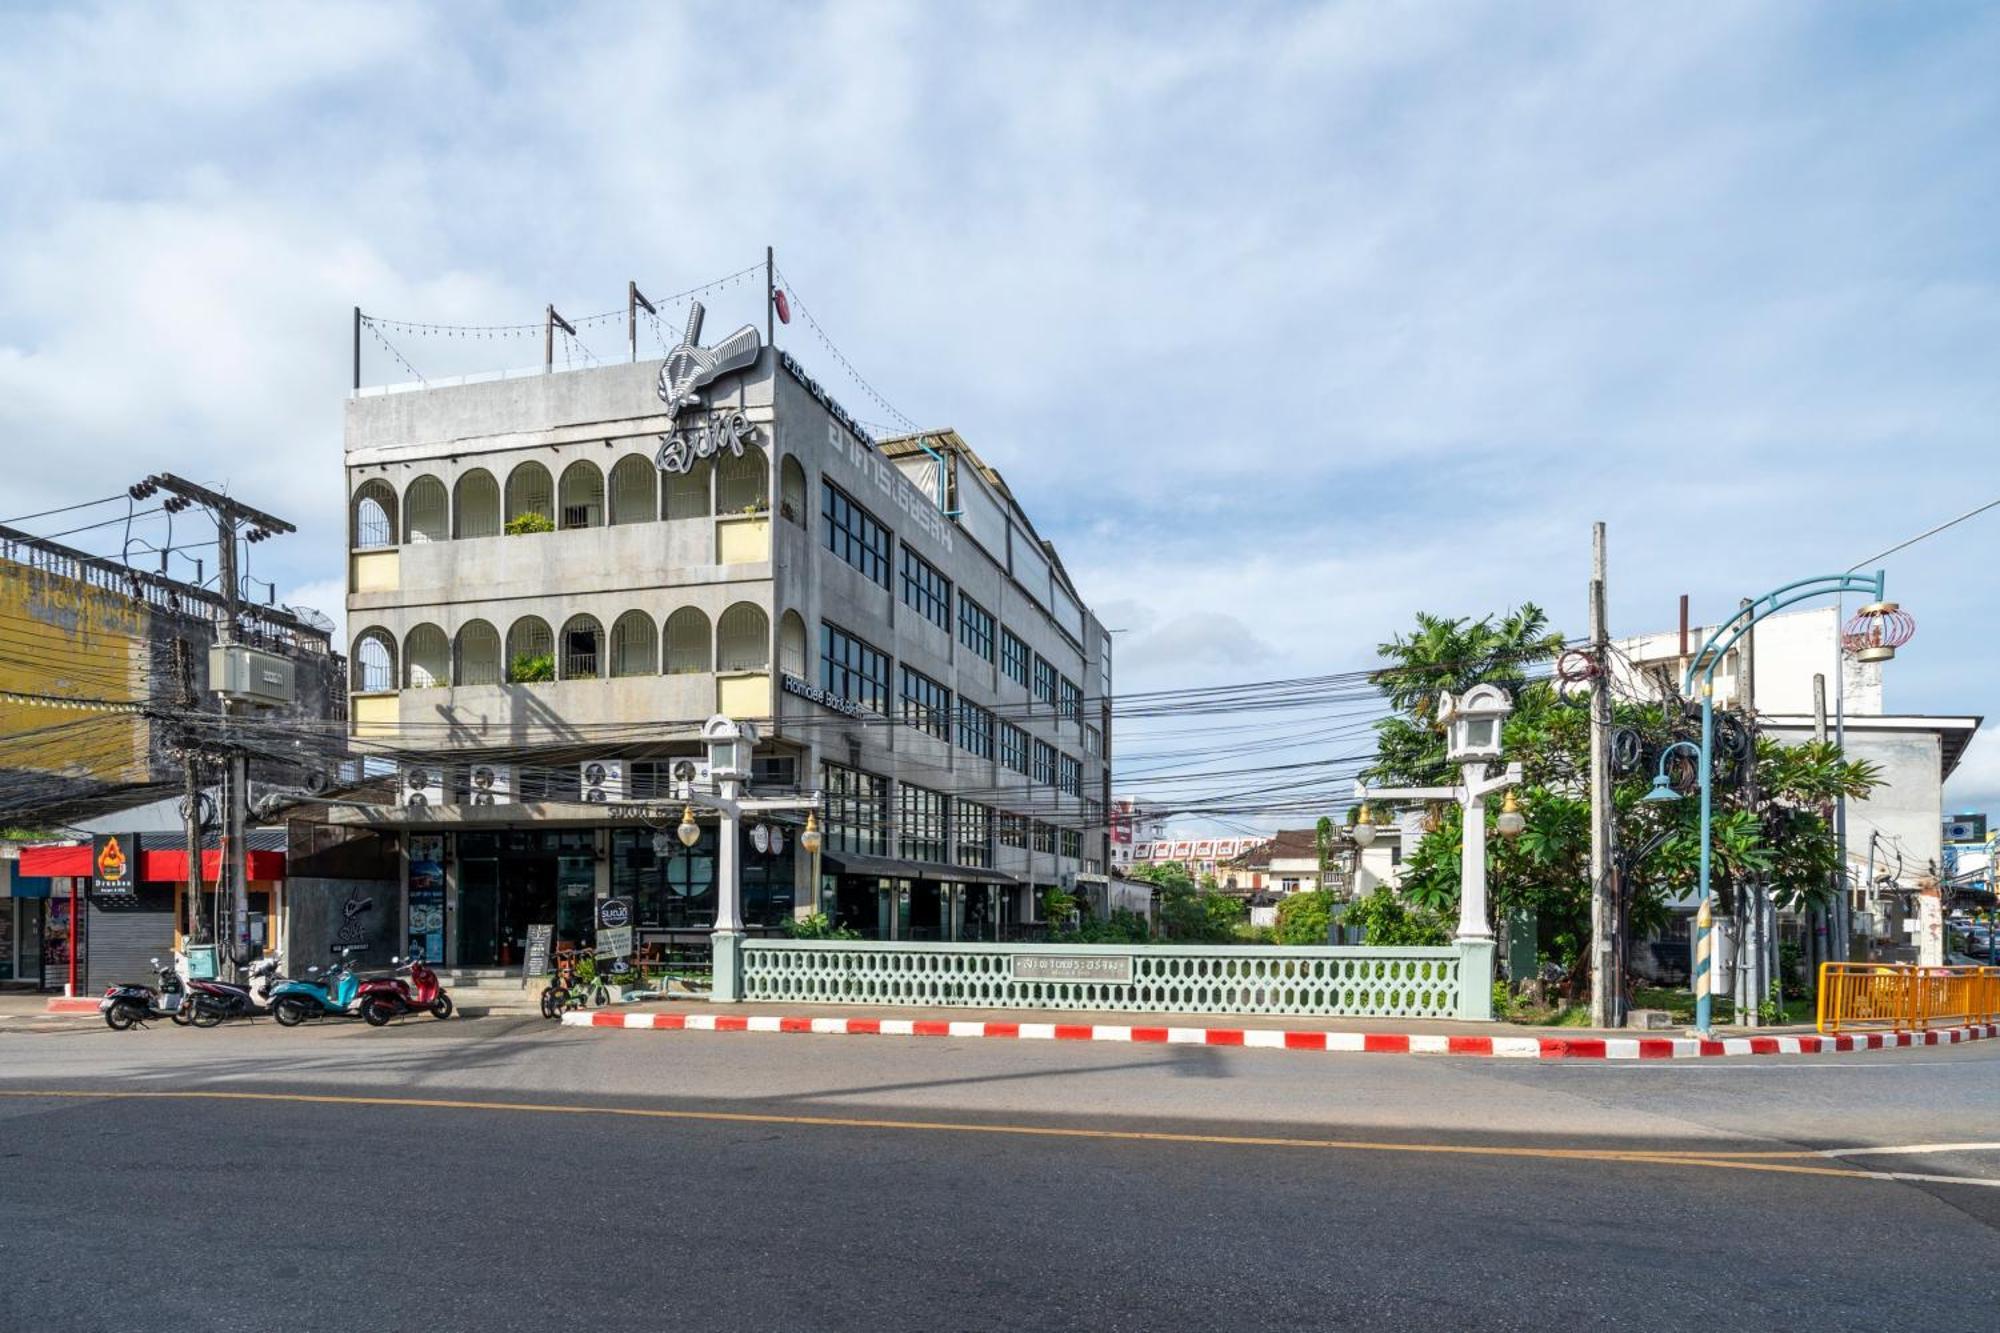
[531, 521]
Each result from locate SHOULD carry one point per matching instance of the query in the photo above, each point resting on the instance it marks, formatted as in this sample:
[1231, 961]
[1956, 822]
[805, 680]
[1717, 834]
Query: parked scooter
[212, 1001]
[317, 995]
[127, 1006]
[384, 998]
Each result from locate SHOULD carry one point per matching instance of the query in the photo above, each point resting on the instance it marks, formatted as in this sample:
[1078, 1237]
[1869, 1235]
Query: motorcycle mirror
[156, 962]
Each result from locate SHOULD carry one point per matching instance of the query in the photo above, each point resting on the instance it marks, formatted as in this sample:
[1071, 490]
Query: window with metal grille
[1069, 699]
[975, 728]
[975, 834]
[688, 645]
[926, 704]
[530, 650]
[687, 493]
[921, 822]
[635, 490]
[479, 654]
[975, 627]
[1013, 830]
[1013, 747]
[1045, 680]
[1072, 844]
[1013, 657]
[1045, 764]
[373, 662]
[582, 648]
[1069, 774]
[374, 515]
[742, 485]
[426, 658]
[425, 511]
[582, 495]
[857, 810]
[792, 645]
[743, 639]
[530, 490]
[853, 534]
[1045, 837]
[925, 590]
[635, 645]
[476, 505]
[852, 668]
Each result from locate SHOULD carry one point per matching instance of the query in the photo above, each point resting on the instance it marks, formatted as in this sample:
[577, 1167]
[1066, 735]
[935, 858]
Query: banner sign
[114, 862]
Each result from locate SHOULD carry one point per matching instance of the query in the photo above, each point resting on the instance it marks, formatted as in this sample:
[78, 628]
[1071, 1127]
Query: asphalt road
[498, 1174]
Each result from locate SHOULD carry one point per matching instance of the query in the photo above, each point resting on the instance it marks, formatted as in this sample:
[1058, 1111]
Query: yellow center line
[1715, 1160]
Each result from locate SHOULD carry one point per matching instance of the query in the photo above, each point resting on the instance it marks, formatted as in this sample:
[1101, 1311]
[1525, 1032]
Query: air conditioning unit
[685, 777]
[490, 784]
[417, 788]
[603, 780]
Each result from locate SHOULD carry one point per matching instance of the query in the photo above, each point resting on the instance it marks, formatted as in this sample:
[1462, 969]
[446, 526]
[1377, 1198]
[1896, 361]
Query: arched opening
[479, 654]
[743, 485]
[426, 514]
[743, 639]
[582, 495]
[792, 645]
[582, 648]
[635, 495]
[687, 641]
[530, 491]
[426, 659]
[687, 492]
[531, 651]
[476, 505]
[792, 489]
[372, 664]
[635, 645]
[374, 515]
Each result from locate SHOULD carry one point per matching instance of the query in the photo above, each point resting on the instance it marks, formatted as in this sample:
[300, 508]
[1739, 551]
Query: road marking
[1643, 1157]
[1912, 1148]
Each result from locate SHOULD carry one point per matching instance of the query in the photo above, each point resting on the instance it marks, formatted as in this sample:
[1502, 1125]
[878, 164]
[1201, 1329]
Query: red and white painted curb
[1286, 1039]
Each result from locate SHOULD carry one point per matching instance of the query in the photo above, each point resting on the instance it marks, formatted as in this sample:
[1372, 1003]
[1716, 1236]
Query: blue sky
[1285, 320]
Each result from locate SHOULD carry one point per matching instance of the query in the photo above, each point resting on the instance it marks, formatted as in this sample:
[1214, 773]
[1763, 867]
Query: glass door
[478, 914]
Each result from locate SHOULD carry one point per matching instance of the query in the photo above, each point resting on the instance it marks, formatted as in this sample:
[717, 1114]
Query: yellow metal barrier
[1904, 997]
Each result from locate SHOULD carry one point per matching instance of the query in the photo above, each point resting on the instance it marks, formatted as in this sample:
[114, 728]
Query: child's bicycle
[566, 991]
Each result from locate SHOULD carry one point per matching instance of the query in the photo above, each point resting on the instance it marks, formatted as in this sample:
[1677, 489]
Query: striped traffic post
[1704, 949]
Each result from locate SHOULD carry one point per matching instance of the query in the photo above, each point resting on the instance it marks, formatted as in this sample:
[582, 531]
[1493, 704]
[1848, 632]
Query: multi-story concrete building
[555, 580]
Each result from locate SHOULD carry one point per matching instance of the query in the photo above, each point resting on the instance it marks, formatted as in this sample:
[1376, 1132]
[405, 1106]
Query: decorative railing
[1184, 979]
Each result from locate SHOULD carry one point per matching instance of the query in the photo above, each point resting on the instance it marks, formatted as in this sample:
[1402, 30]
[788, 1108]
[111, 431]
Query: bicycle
[567, 991]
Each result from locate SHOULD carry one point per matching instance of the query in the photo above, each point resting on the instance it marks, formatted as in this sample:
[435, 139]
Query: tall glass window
[1013, 830]
[1069, 774]
[1072, 844]
[1045, 837]
[925, 590]
[975, 834]
[921, 822]
[975, 728]
[1045, 764]
[672, 889]
[1045, 680]
[1013, 656]
[1069, 699]
[1013, 747]
[926, 704]
[852, 668]
[857, 811]
[853, 534]
[975, 627]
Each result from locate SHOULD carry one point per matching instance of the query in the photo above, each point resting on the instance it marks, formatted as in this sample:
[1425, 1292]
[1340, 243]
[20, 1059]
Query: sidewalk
[1373, 1036]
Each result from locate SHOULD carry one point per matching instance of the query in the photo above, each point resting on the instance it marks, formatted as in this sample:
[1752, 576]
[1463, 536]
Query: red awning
[155, 867]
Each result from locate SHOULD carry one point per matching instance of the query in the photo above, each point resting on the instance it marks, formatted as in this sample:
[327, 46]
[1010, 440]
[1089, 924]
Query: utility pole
[1824, 943]
[1606, 983]
[549, 327]
[230, 516]
[1749, 897]
[634, 298]
[191, 759]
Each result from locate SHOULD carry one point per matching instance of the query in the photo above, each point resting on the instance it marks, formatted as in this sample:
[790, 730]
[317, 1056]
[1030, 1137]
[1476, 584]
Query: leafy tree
[531, 667]
[1448, 655]
[1303, 917]
[1386, 919]
[1192, 911]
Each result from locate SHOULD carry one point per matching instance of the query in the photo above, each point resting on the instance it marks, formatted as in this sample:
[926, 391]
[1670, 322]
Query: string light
[799, 305]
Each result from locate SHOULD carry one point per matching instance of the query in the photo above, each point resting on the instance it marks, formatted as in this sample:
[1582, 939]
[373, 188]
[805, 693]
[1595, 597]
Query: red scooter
[384, 998]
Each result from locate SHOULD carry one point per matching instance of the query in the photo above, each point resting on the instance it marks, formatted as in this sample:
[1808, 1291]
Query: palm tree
[1449, 655]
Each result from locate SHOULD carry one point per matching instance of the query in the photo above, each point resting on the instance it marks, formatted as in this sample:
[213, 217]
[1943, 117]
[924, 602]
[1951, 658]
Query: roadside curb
[1289, 1039]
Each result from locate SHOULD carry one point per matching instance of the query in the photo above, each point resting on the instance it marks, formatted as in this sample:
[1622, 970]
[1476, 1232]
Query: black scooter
[130, 1006]
[209, 1002]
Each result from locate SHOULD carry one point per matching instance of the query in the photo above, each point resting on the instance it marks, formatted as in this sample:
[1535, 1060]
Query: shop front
[92, 934]
[23, 905]
[884, 898]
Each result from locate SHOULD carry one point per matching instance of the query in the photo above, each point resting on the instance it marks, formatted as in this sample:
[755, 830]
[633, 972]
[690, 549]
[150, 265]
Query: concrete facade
[739, 550]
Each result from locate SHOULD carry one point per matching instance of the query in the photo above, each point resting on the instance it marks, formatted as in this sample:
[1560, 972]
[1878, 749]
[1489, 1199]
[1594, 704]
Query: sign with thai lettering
[680, 450]
[114, 861]
[540, 936]
[1103, 968]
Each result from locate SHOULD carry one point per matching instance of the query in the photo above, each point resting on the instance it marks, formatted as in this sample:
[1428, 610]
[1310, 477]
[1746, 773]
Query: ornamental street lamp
[689, 832]
[1363, 831]
[1510, 822]
[1886, 628]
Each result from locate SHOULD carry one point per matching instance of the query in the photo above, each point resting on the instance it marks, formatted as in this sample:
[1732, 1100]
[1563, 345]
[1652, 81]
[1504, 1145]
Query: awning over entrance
[885, 867]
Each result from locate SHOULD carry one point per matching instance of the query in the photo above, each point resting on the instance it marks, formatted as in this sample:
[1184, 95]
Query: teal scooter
[295, 999]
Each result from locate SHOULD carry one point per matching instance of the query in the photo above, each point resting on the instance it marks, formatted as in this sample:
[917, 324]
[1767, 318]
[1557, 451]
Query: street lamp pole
[1701, 674]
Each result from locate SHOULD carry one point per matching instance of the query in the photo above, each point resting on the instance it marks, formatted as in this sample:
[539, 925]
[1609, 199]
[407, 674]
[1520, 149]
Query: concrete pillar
[1472, 866]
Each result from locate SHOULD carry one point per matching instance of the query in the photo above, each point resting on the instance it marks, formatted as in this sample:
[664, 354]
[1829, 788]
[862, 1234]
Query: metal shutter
[125, 932]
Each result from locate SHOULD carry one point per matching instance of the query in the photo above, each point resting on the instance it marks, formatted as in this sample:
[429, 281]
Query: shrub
[1386, 920]
[528, 668]
[1255, 935]
[1303, 917]
[1124, 927]
[530, 522]
[815, 926]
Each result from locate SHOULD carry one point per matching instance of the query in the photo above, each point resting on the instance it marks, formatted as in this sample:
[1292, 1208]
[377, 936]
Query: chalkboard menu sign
[540, 937]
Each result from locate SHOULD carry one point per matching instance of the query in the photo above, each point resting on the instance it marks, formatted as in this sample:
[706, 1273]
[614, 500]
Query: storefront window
[675, 889]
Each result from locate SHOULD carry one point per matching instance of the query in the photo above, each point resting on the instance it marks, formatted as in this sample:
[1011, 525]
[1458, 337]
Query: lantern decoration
[1472, 722]
[810, 837]
[1363, 831]
[1877, 631]
[689, 832]
[1511, 821]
